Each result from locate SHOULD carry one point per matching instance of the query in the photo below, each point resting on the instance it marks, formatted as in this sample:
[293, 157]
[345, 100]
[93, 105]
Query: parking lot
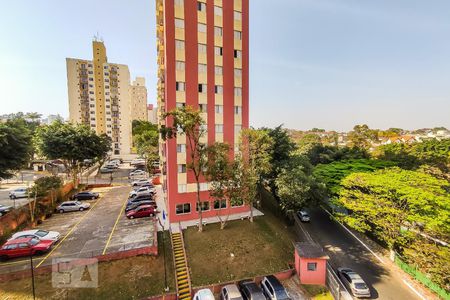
[100, 230]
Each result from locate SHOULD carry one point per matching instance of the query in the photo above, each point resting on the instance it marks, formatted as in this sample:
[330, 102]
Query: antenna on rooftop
[98, 38]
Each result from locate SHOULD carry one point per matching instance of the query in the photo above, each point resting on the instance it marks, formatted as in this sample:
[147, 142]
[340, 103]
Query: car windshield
[34, 241]
[77, 202]
[281, 295]
[41, 233]
[360, 286]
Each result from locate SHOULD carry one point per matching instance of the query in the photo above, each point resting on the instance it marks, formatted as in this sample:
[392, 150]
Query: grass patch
[318, 292]
[130, 278]
[259, 248]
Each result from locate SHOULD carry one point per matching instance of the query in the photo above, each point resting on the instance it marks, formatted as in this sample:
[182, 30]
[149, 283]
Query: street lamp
[166, 287]
[32, 273]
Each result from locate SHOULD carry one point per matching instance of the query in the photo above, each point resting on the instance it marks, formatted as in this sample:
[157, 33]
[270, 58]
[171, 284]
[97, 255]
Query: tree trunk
[200, 212]
[251, 212]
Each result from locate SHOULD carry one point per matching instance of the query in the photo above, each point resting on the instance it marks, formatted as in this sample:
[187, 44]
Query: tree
[307, 142]
[384, 201]
[322, 154]
[145, 137]
[254, 161]
[72, 144]
[224, 177]
[189, 122]
[42, 186]
[281, 148]
[296, 186]
[15, 147]
[362, 136]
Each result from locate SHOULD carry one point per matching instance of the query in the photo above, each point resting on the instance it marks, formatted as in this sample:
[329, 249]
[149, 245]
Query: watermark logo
[74, 273]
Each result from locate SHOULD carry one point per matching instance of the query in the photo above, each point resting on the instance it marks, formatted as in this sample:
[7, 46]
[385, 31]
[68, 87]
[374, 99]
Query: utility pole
[32, 275]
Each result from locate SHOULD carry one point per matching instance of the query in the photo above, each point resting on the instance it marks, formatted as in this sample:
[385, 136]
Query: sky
[313, 63]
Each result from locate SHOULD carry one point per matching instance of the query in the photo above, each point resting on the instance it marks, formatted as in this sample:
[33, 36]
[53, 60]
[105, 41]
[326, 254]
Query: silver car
[72, 206]
[354, 282]
[18, 193]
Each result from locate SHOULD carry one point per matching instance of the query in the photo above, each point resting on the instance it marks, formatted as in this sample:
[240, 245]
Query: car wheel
[1, 214]
[131, 217]
[4, 257]
[93, 197]
[152, 215]
[13, 197]
[61, 211]
[81, 209]
[38, 253]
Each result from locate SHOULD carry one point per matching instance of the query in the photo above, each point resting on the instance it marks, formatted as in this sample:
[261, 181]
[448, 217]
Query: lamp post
[166, 287]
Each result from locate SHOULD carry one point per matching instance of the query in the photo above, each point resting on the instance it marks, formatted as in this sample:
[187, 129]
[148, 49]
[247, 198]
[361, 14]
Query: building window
[202, 107]
[91, 79]
[201, 6]
[237, 15]
[179, 23]
[181, 148]
[219, 128]
[219, 204]
[238, 91]
[183, 209]
[179, 44]
[218, 31]
[181, 168]
[180, 86]
[218, 51]
[92, 112]
[203, 186]
[92, 119]
[182, 188]
[219, 109]
[204, 205]
[237, 54]
[179, 2]
[237, 35]
[237, 129]
[238, 72]
[218, 89]
[218, 10]
[312, 266]
[201, 27]
[202, 88]
[238, 110]
[91, 105]
[91, 72]
[180, 65]
[201, 48]
[181, 104]
[202, 68]
[218, 70]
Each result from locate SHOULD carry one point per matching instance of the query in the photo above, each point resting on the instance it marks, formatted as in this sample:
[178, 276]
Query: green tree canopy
[362, 136]
[146, 139]
[72, 144]
[15, 146]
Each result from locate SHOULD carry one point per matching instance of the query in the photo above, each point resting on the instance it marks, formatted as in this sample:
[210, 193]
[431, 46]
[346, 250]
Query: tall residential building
[138, 94]
[99, 97]
[203, 57]
[152, 114]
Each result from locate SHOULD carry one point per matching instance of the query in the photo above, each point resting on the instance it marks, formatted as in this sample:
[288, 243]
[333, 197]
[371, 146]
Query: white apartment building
[138, 94]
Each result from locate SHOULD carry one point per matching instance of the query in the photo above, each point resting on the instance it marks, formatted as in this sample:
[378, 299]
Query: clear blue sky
[314, 63]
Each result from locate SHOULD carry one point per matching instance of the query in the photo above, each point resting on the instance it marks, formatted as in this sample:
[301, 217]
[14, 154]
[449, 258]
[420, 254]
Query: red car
[24, 247]
[141, 212]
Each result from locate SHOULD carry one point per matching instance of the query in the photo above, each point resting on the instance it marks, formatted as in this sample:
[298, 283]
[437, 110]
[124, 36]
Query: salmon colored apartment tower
[203, 59]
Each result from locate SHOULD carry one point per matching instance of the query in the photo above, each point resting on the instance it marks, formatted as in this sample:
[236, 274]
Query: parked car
[204, 294]
[139, 182]
[137, 172]
[85, 196]
[140, 199]
[18, 193]
[250, 291]
[354, 283]
[141, 212]
[38, 234]
[148, 192]
[303, 216]
[138, 161]
[147, 184]
[141, 190]
[106, 170]
[230, 292]
[24, 247]
[273, 289]
[72, 206]
[111, 165]
[116, 161]
[4, 209]
[135, 205]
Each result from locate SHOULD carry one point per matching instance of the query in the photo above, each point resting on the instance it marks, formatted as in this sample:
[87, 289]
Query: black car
[250, 291]
[273, 289]
[85, 196]
[4, 209]
[140, 199]
[135, 205]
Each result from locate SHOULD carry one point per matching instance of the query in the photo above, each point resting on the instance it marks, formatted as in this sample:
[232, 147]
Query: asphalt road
[345, 251]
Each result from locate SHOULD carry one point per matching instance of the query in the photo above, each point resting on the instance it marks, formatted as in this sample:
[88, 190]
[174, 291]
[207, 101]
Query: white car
[18, 193]
[141, 190]
[204, 294]
[354, 283]
[37, 233]
[139, 182]
[303, 216]
[137, 162]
